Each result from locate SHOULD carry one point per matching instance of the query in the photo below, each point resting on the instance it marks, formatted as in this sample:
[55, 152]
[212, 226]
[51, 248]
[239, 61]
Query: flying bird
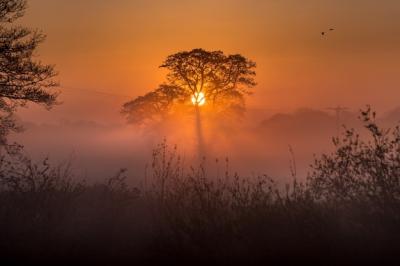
[324, 33]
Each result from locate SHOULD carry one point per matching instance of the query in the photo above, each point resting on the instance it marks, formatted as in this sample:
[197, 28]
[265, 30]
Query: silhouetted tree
[223, 80]
[22, 79]
[155, 105]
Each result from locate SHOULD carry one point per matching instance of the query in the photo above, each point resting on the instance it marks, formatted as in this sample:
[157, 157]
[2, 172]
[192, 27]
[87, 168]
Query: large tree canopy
[223, 80]
[22, 78]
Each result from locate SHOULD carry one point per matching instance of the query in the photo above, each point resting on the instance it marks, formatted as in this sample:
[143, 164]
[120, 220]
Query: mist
[263, 142]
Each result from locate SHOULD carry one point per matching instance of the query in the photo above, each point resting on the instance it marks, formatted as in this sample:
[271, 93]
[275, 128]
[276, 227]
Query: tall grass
[347, 210]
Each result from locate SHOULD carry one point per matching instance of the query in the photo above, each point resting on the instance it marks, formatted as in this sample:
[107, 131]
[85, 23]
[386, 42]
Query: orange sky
[116, 47]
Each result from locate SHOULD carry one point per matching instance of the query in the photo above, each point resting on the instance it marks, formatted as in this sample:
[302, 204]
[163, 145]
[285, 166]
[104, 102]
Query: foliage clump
[224, 80]
[23, 78]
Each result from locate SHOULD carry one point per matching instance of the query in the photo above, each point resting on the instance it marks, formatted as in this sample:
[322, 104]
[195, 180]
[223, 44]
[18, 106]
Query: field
[346, 211]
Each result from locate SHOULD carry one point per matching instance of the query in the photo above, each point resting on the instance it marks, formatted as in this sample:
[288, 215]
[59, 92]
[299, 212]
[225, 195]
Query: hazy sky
[116, 47]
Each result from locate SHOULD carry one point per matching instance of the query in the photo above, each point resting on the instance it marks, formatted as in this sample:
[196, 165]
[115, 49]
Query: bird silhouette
[324, 33]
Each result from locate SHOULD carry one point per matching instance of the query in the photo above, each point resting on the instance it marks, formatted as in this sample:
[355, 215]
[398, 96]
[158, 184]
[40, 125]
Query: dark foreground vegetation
[348, 210]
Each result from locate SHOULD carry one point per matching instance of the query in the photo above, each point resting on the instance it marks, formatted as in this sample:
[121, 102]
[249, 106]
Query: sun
[198, 99]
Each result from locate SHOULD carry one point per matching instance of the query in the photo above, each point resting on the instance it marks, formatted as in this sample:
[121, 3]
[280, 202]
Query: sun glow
[198, 99]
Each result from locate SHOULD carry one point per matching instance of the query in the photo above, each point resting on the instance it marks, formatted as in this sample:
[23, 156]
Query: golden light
[198, 99]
